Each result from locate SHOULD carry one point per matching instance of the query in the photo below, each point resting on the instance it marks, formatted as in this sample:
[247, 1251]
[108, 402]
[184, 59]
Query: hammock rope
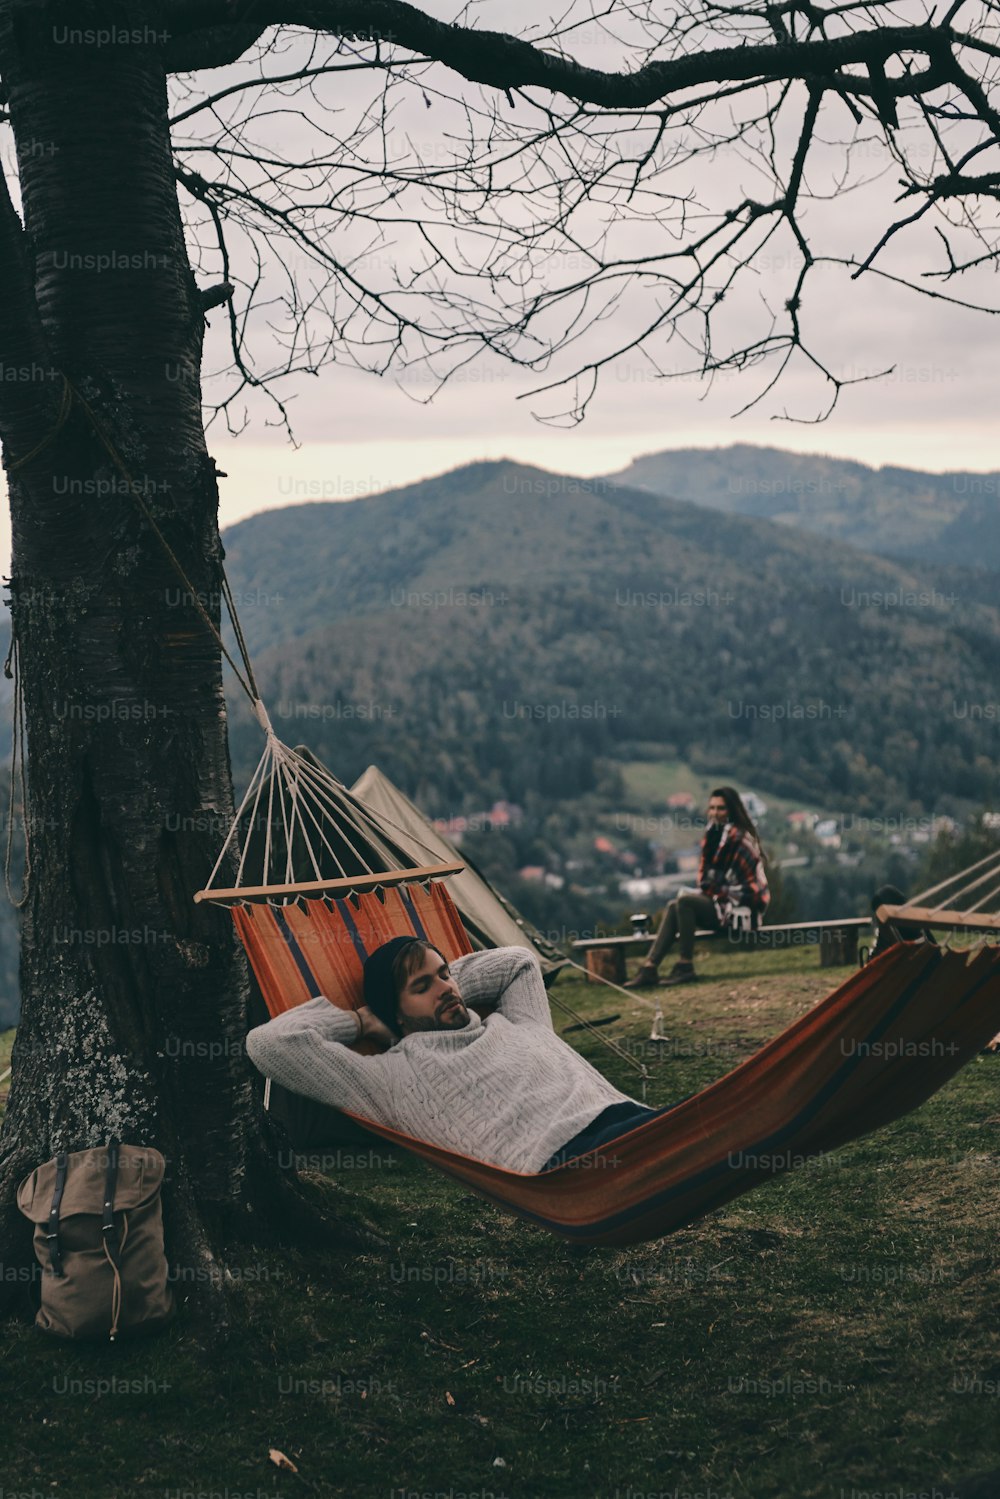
[280, 767]
[965, 890]
[18, 779]
[952, 878]
[613, 1046]
[284, 758]
[303, 801]
[70, 395]
[957, 906]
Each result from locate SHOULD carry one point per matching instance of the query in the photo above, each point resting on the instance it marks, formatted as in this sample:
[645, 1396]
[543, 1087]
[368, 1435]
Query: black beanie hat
[380, 989]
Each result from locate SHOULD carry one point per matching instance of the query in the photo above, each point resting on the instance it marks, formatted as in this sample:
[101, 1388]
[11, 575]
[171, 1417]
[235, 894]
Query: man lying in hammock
[504, 1089]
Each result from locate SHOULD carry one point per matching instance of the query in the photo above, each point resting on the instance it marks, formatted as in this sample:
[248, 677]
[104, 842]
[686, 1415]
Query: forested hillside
[502, 634]
[506, 632]
[937, 518]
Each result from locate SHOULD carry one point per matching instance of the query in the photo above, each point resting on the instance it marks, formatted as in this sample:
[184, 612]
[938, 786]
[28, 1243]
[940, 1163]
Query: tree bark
[133, 998]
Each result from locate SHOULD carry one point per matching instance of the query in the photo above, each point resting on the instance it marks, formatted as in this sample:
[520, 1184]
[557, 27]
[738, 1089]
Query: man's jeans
[617, 1119]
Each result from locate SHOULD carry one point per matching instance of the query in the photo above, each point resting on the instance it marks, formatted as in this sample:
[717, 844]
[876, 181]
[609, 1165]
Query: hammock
[880, 1045]
[870, 1052]
[873, 1050]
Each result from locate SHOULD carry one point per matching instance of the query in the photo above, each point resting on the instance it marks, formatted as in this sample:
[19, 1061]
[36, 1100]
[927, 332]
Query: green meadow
[831, 1335]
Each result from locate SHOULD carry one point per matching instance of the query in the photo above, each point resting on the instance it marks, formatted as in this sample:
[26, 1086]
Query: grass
[648, 783]
[830, 1335]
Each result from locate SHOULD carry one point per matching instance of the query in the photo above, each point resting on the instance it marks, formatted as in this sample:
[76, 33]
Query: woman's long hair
[736, 811]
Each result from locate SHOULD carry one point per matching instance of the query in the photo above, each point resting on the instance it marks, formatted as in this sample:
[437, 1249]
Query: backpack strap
[108, 1212]
[52, 1236]
[112, 1247]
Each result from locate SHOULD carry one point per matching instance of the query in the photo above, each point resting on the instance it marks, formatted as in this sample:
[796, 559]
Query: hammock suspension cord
[991, 865]
[298, 782]
[592, 1030]
[71, 395]
[291, 776]
[18, 780]
[301, 799]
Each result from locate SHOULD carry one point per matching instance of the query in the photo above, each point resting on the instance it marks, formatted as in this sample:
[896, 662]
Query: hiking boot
[646, 978]
[681, 973]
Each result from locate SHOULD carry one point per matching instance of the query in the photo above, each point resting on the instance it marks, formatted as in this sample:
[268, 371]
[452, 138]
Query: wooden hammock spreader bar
[351, 882]
[952, 921]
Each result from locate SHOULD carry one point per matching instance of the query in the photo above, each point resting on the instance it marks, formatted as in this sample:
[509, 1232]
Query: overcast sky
[359, 433]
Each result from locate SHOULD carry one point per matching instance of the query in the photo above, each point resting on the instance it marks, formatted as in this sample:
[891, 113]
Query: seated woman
[730, 875]
[504, 1089]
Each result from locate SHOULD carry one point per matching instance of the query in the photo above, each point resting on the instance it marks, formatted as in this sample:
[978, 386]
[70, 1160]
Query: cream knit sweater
[505, 1089]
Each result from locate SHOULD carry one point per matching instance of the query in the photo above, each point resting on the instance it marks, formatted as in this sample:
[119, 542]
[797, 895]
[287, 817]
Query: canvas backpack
[99, 1239]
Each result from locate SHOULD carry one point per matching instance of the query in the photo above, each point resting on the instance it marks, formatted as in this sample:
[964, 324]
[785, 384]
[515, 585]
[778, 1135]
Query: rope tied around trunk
[71, 395]
[18, 775]
[66, 398]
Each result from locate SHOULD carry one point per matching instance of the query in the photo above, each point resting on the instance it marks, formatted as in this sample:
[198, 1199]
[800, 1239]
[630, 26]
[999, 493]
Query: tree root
[18, 1267]
[282, 1210]
[197, 1277]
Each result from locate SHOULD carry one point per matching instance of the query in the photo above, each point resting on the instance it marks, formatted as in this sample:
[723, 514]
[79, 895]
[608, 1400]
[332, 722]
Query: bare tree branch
[564, 202]
[506, 62]
[210, 46]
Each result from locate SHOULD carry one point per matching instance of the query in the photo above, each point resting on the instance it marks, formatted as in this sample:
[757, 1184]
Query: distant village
[654, 856]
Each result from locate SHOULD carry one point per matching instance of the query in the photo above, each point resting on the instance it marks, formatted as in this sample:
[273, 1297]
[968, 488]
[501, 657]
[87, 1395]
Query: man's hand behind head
[373, 1029]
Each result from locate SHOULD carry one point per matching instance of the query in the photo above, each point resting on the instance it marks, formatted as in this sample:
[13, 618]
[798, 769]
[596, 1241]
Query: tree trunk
[133, 997]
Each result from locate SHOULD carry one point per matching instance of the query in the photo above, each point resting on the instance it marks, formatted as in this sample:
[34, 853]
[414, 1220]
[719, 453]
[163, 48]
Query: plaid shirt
[735, 875]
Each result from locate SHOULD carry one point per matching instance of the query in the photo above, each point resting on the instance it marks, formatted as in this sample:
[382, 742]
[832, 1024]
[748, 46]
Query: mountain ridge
[446, 631]
[949, 517]
[327, 533]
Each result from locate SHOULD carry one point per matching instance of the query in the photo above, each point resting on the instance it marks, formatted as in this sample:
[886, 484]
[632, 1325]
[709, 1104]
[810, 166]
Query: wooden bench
[837, 942]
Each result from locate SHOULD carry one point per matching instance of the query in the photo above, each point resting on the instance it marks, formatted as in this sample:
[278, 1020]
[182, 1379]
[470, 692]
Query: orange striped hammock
[867, 1054]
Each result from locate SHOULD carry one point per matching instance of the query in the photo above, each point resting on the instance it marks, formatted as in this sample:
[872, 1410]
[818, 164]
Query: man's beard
[443, 1019]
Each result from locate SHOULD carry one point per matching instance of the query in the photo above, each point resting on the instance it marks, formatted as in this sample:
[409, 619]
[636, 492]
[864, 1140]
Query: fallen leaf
[281, 1461]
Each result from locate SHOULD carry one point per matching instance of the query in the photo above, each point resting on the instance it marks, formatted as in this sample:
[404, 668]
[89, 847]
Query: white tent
[490, 920]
